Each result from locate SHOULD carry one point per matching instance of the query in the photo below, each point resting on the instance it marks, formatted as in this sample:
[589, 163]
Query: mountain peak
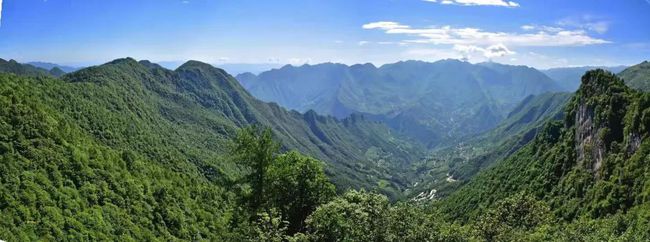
[599, 81]
[195, 64]
[127, 60]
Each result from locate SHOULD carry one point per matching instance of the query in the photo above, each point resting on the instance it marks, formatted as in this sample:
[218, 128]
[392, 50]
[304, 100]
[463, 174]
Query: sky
[542, 34]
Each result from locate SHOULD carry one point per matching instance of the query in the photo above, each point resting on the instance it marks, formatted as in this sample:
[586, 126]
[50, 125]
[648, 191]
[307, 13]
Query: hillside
[449, 168]
[569, 77]
[589, 166]
[637, 76]
[14, 67]
[200, 107]
[432, 102]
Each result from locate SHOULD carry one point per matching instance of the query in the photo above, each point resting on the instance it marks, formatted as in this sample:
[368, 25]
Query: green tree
[355, 216]
[255, 148]
[296, 186]
[512, 216]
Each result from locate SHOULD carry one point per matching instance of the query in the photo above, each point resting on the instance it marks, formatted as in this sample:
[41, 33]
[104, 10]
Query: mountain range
[50, 66]
[430, 102]
[569, 77]
[129, 150]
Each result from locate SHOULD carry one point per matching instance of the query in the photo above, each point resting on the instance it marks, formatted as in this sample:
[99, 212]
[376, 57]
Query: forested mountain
[148, 148]
[449, 168]
[591, 165]
[637, 76]
[569, 77]
[129, 150]
[13, 66]
[432, 102]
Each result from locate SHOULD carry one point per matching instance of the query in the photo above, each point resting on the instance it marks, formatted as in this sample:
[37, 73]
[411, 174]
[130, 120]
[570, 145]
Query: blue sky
[542, 34]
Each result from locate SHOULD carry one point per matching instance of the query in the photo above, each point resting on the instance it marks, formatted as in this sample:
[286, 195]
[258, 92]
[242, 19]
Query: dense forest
[131, 151]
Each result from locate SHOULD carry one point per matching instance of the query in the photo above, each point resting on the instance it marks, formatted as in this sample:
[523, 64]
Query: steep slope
[569, 77]
[592, 164]
[449, 168]
[201, 105]
[132, 151]
[637, 76]
[432, 102]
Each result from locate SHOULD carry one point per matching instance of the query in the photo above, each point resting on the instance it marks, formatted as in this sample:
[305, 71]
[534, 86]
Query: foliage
[130, 151]
[297, 186]
[257, 150]
[637, 76]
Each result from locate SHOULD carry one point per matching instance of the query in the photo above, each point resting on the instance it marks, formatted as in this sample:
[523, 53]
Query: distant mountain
[255, 68]
[569, 77]
[14, 67]
[449, 168]
[50, 66]
[432, 102]
[637, 76]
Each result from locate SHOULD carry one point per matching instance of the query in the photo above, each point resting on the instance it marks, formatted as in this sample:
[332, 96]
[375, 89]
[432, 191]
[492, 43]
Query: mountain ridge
[441, 100]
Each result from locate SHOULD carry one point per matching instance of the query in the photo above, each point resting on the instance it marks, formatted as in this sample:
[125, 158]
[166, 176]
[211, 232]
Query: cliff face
[590, 148]
[603, 119]
[594, 164]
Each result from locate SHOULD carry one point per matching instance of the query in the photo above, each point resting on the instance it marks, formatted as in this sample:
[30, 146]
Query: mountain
[50, 66]
[240, 68]
[432, 102]
[591, 165]
[132, 150]
[637, 76]
[569, 77]
[14, 67]
[449, 168]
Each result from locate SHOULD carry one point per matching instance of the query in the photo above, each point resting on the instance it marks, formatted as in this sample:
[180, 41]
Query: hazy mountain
[432, 102]
[637, 76]
[255, 68]
[569, 77]
[50, 66]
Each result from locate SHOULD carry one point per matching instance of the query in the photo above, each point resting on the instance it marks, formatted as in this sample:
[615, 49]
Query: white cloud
[384, 25]
[363, 42]
[474, 36]
[587, 22]
[527, 27]
[501, 3]
[492, 51]
[542, 28]
[497, 51]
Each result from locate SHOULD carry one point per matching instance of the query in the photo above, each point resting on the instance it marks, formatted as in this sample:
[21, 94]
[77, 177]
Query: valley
[134, 118]
[325, 121]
